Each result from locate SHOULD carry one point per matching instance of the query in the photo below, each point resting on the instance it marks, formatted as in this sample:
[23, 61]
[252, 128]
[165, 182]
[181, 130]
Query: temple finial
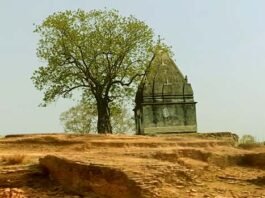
[159, 39]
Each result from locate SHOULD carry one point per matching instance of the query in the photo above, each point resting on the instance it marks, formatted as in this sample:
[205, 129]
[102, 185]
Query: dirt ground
[166, 166]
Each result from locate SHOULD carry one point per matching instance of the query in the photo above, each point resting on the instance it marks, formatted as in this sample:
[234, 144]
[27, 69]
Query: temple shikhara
[164, 99]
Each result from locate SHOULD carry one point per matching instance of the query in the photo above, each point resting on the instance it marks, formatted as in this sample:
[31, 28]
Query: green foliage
[99, 53]
[82, 119]
[249, 142]
[121, 119]
[247, 139]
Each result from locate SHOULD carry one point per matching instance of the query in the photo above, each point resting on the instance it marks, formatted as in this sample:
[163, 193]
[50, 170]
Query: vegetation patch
[249, 142]
[13, 159]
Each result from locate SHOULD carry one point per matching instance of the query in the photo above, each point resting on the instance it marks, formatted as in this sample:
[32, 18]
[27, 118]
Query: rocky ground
[119, 166]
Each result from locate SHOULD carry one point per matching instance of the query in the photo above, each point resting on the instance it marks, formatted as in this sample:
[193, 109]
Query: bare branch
[67, 91]
[129, 82]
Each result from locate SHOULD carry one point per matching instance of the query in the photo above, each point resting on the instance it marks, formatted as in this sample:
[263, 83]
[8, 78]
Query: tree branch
[67, 91]
[129, 82]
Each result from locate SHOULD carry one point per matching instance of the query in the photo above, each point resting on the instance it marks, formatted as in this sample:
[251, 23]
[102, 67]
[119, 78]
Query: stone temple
[164, 99]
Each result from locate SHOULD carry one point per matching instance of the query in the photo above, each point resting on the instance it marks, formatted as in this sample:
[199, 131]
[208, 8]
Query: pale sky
[219, 44]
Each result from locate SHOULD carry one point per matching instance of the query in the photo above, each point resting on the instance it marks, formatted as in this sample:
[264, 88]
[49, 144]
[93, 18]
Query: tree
[121, 120]
[247, 139]
[99, 53]
[81, 119]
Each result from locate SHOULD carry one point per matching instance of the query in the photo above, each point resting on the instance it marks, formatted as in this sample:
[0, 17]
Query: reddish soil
[119, 166]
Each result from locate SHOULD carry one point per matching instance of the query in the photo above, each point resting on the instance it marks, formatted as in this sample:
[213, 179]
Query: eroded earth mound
[119, 166]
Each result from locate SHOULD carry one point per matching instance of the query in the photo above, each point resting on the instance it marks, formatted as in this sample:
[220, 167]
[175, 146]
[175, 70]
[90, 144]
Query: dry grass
[13, 159]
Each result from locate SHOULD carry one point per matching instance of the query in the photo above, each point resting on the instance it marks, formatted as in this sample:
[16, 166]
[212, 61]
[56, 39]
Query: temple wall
[169, 118]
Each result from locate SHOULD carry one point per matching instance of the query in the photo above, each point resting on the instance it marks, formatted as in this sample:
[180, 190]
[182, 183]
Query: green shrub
[248, 142]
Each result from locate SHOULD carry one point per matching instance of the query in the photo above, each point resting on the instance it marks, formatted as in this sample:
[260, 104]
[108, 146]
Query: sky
[219, 45]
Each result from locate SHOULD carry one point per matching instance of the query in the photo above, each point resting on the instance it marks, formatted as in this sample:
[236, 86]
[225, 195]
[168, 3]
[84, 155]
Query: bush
[247, 139]
[248, 142]
[13, 159]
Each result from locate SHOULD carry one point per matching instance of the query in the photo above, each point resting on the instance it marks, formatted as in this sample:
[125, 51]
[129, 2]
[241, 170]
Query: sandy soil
[166, 166]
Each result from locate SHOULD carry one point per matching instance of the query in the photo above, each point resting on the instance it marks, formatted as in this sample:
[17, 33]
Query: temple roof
[163, 78]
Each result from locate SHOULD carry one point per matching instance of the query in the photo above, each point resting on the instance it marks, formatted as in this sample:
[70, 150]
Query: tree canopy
[99, 53]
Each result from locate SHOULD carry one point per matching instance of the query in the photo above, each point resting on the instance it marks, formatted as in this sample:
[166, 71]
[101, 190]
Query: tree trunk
[103, 125]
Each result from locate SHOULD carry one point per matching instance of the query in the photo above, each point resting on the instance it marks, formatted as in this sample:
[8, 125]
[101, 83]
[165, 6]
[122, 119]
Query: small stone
[180, 186]
[193, 194]
[231, 182]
